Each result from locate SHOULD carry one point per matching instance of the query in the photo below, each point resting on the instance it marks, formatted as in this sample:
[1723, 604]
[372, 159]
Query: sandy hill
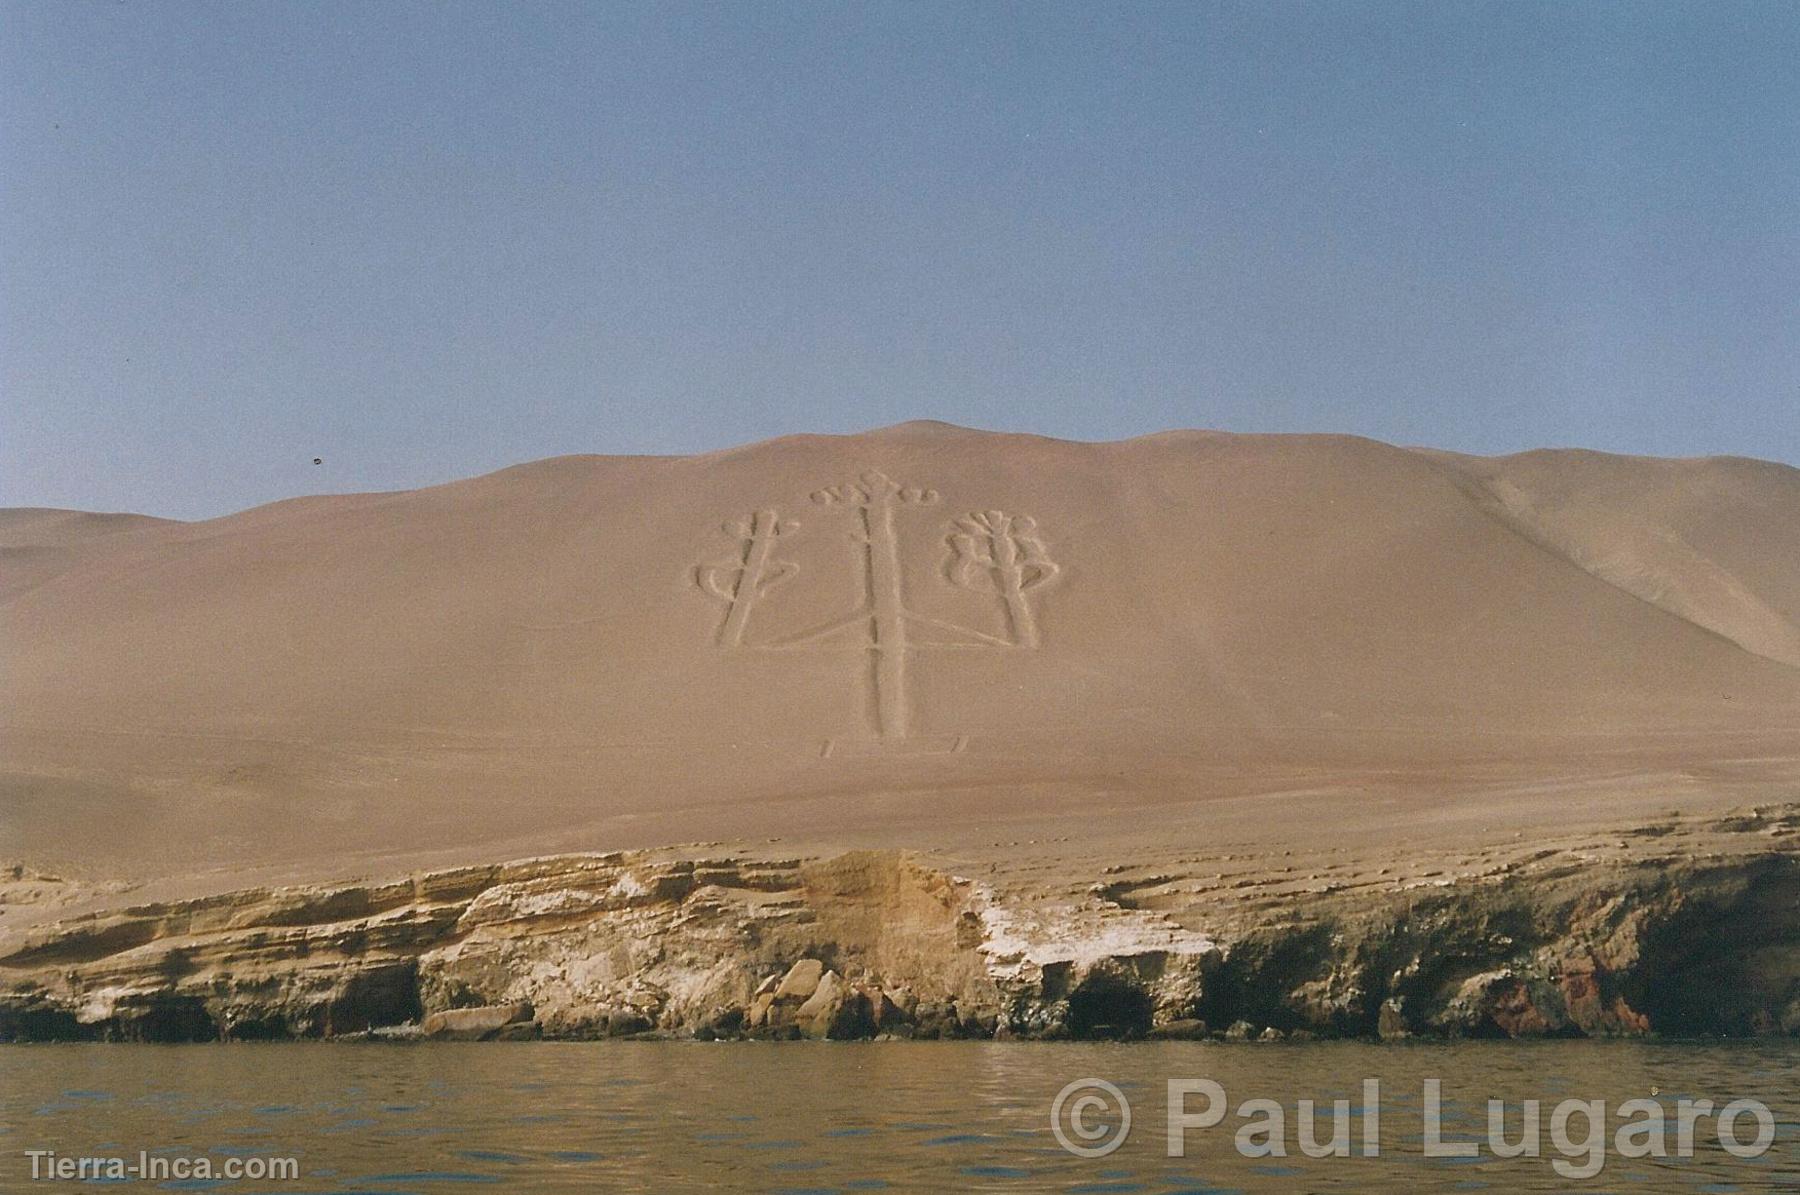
[919, 633]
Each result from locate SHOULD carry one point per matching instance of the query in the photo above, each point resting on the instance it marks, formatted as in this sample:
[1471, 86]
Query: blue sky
[423, 241]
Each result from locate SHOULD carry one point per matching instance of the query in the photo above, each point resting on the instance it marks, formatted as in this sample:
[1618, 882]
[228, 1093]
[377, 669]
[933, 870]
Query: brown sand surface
[1022, 652]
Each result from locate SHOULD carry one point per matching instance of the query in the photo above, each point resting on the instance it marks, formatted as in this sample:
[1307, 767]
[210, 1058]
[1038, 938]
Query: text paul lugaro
[1580, 1130]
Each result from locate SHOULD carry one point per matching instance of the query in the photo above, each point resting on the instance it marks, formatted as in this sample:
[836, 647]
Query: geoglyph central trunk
[987, 551]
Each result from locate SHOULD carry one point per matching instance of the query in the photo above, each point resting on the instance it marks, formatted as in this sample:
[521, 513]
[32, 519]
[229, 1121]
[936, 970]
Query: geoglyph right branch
[995, 552]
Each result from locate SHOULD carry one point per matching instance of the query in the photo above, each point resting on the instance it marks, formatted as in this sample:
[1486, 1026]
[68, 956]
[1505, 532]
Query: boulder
[1184, 1029]
[758, 1016]
[801, 981]
[1390, 1023]
[903, 999]
[935, 1018]
[977, 1021]
[884, 1011]
[830, 989]
[1240, 1031]
[720, 1024]
[474, 1024]
[821, 1009]
[835, 1011]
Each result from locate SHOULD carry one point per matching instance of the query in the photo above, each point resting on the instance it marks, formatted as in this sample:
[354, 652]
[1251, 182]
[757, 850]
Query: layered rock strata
[1683, 927]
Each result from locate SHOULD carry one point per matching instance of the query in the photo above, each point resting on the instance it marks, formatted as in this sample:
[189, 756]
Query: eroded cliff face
[1684, 927]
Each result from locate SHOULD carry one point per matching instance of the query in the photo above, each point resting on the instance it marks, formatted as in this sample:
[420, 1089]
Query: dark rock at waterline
[479, 1024]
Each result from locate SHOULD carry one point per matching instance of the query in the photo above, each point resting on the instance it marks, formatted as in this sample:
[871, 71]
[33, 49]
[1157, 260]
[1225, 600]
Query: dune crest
[1690, 537]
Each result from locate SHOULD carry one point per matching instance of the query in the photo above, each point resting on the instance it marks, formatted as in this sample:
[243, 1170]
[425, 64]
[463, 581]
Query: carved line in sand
[1002, 553]
[742, 581]
[989, 552]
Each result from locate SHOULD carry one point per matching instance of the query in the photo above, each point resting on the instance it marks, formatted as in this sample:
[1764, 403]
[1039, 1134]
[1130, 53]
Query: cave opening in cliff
[1725, 962]
[1108, 1007]
[175, 1019]
[379, 996]
[258, 1029]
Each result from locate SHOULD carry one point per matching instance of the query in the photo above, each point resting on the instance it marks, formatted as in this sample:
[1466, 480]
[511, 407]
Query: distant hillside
[922, 625]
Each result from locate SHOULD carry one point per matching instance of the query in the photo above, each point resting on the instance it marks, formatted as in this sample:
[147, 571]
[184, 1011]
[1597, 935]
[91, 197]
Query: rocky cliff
[1685, 926]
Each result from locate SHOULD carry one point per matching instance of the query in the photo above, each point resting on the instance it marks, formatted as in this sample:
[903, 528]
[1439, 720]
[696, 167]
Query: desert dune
[923, 635]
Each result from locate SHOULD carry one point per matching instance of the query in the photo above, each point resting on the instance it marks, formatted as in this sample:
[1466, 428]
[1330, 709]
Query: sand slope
[589, 652]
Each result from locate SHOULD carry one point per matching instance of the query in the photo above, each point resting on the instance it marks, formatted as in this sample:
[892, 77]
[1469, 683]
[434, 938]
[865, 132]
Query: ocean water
[831, 1117]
